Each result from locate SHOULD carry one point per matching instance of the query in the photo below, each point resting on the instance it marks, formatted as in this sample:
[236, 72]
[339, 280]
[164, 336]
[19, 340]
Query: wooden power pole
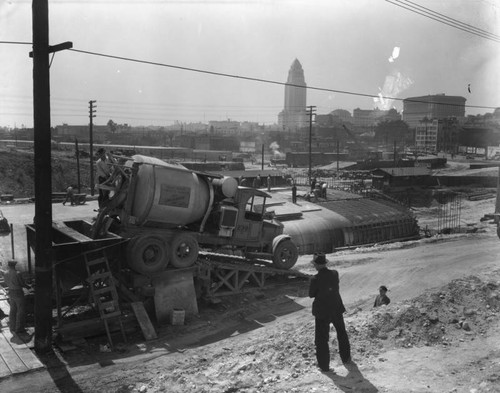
[91, 145]
[310, 112]
[43, 171]
[43, 182]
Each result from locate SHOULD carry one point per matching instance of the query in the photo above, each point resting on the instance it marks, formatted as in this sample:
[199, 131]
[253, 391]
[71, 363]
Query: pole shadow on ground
[59, 373]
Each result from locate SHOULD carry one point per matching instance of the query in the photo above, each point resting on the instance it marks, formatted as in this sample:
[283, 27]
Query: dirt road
[21, 214]
[264, 342]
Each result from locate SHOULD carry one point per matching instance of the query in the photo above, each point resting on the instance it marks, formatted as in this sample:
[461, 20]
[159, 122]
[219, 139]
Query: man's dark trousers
[17, 313]
[322, 335]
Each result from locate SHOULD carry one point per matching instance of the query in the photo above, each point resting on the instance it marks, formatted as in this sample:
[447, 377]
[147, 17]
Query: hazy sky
[343, 45]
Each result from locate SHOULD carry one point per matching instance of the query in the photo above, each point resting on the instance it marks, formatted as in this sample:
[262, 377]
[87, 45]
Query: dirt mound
[458, 311]
[17, 172]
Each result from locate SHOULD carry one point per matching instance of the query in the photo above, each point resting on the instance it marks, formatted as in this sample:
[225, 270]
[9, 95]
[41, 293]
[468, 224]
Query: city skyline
[229, 60]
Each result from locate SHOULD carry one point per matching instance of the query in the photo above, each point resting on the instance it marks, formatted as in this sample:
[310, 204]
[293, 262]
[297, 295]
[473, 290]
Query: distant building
[226, 127]
[439, 106]
[371, 117]
[401, 177]
[294, 114]
[67, 132]
[426, 136]
[334, 118]
[432, 136]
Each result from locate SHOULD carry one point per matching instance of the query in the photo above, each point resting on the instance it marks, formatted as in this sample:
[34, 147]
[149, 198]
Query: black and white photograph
[249, 196]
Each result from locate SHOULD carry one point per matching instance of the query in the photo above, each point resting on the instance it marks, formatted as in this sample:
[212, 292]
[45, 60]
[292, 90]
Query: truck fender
[278, 239]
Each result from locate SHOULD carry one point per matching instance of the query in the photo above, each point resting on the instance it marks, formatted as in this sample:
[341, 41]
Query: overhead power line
[234, 76]
[438, 17]
[16, 42]
[268, 80]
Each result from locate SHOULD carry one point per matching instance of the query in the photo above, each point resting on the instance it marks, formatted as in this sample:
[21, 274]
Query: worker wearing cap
[15, 284]
[327, 308]
[382, 298]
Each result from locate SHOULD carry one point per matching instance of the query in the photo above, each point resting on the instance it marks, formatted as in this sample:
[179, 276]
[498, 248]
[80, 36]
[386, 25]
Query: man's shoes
[21, 333]
[64, 203]
[324, 369]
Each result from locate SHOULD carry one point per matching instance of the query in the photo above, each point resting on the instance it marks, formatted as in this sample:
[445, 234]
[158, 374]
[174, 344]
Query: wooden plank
[4, 370]
[4, 301]
[14, 363]
[23, 351]
[144, 322]
[30, 332]
[72, 233]
[94, 327]
[5, 306]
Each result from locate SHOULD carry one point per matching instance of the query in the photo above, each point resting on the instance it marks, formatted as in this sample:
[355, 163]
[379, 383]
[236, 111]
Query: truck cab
[243, 223]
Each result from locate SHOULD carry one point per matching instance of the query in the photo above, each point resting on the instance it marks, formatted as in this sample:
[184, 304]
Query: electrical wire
[455, 21]
[234, 76]
[430, 14]
[270, 81]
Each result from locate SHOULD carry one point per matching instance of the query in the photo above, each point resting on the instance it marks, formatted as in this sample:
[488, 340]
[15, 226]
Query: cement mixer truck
[169, 212]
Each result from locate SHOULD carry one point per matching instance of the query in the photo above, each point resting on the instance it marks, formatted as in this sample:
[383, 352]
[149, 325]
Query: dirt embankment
[279, 355]
[17, 172]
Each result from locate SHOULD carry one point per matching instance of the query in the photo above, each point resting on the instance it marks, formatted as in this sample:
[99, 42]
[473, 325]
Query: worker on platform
[327, 309]
[103, 170]
[15, 284]
[382, 299]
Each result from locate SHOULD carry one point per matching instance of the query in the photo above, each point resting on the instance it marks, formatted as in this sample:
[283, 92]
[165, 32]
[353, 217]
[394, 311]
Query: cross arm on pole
[58, 47]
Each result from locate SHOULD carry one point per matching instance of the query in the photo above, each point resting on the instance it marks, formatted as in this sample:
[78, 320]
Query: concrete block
[174, 289]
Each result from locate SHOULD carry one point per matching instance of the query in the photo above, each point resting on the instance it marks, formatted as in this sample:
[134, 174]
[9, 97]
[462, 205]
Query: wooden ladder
[103, 291]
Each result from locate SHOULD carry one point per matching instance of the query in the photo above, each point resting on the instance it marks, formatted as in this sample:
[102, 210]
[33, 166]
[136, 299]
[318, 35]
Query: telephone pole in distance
[310, 112]
[91, 144]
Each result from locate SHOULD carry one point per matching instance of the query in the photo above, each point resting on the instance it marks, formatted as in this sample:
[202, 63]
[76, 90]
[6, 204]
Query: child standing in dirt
[382, 298]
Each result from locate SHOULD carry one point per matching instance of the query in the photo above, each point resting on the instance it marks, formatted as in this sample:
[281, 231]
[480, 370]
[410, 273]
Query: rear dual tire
[185, 250]
[148, 254]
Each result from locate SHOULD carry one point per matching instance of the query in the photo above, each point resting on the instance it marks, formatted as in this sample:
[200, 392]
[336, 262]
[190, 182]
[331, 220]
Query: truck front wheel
[285, 255]
[184, 250]
[147, 254]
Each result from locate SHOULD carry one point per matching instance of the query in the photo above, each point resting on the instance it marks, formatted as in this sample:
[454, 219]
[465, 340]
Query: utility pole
[77, 152]
[338, 158]
[497, 205]
[262, 152]
[310, 112]
[91, 145]
[43, 182]
[394, 153]
[262, 164]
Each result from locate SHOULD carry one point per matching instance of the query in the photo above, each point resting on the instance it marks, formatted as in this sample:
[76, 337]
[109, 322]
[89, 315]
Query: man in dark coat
[328, 308]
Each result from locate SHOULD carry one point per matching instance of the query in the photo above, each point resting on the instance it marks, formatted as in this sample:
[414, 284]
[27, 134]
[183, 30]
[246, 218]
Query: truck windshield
[256, 204]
